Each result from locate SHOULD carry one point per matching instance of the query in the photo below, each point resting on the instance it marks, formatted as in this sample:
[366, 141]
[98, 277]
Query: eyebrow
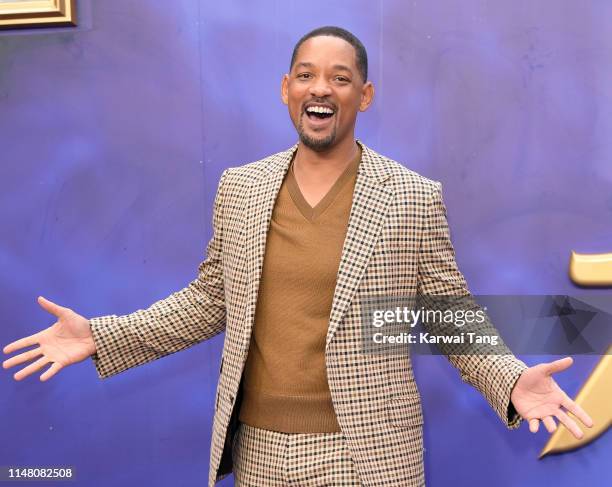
[337, 67]
[342, 67]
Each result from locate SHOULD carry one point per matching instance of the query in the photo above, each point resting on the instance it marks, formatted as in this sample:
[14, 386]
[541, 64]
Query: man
[301, 239]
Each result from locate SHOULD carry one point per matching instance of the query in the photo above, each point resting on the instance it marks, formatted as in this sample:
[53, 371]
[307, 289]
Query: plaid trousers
[274, 459]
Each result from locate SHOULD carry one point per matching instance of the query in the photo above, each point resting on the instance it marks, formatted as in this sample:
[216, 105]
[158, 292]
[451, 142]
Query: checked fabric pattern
[274, 459]
[397, 244]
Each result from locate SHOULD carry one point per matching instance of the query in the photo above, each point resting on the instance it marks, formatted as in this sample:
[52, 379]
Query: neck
[327, 162]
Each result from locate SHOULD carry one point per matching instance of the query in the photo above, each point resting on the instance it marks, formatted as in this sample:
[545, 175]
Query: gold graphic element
[36, 13]
[591, 269]
[595, 398]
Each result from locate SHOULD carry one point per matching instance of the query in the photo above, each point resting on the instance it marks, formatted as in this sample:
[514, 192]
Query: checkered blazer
[397, 244]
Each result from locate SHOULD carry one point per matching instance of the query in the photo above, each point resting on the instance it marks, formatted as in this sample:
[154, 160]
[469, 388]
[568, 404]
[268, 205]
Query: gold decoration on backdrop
[37, 13]
[595, 397]
[591, 269]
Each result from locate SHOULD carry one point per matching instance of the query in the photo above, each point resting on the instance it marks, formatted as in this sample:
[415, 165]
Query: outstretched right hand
[68, 341]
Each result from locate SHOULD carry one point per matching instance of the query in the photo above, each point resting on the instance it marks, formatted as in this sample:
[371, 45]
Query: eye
[304, 75]
[342, 79]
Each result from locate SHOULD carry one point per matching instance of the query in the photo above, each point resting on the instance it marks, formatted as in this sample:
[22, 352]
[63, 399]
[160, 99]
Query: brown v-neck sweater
[285, 380]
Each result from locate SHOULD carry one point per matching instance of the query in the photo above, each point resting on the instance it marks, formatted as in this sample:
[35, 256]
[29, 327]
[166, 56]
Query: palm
[69, 340]
[536, 396]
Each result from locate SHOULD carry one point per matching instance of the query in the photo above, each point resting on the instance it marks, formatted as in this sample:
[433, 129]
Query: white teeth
[319, 110]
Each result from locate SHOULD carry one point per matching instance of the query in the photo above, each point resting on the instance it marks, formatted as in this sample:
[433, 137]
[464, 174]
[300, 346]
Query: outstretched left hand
[536, 396]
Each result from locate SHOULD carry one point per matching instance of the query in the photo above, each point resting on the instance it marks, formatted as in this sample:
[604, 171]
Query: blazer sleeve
[179, 321]
[493, 375]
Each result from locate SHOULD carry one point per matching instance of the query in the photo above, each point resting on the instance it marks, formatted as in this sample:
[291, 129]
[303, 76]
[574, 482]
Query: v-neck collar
[311, 213]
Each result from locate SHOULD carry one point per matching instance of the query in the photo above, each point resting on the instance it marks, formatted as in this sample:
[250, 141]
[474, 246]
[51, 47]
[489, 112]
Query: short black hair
[360, 51]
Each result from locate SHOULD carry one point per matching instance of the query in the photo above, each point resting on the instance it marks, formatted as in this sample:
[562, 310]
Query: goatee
[316, 144]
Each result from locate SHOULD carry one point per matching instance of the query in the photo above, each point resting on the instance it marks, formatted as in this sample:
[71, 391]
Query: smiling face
[324, 91]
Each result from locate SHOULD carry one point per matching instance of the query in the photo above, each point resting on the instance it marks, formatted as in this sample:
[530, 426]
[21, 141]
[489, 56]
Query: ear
[285, 89]
[367, 95]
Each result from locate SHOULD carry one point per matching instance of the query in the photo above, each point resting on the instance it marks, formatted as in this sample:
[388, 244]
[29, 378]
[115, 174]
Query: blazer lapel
[371, 199]
[257, 214]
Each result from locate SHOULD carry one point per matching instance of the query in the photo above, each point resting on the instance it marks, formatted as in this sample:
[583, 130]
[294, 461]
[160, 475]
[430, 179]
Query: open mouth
[317, 113]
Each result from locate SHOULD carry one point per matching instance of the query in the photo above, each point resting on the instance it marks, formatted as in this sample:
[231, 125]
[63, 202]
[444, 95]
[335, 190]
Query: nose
[320, 87]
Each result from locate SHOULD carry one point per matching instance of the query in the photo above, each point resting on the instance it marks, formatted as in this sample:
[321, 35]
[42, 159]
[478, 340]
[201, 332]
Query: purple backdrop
[112, 139]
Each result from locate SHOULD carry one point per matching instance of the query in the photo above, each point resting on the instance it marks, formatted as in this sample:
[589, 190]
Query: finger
[559, 365]
[550, 424]
[534, 425]
[577, 411]
[30, 369]
[21, 343]
[51, 307]
[569, 423]
[51, 371]
[22, 357]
